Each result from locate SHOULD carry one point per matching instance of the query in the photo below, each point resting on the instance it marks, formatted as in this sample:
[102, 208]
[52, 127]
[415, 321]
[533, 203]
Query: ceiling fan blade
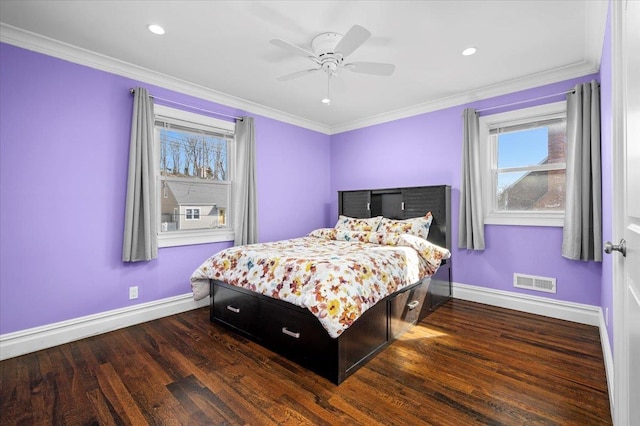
[374, 68]
[297, 74]
[293, 49]
[352, 40]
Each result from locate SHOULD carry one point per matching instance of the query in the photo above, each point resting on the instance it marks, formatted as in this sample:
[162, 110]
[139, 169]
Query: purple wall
[606, 110]
[426, 150]
[293, 180]
[63, 157]
[64, 136]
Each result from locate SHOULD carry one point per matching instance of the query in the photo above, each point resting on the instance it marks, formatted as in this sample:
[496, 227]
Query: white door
[626, 139]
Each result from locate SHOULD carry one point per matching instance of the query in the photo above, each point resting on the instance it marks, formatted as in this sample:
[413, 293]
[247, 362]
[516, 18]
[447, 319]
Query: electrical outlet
[133, 292]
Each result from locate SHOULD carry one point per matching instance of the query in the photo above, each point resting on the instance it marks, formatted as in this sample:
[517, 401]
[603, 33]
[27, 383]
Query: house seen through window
[194, 177]
[525, 166]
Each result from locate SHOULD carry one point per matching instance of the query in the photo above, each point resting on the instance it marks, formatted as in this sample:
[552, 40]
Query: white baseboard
[37, 338]
[576, 312]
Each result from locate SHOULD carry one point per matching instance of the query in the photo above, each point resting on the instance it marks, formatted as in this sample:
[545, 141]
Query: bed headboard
[403, 203]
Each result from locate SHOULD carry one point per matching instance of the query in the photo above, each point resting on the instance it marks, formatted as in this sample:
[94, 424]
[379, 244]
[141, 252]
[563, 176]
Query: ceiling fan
[329, 53]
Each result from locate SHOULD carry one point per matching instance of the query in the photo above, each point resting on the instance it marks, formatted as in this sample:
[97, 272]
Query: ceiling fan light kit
[469, 51]
[156, 29]
[329, 52]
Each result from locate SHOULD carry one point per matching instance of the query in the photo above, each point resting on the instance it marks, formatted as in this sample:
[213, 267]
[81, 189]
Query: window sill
[187, 238]
[553, 220]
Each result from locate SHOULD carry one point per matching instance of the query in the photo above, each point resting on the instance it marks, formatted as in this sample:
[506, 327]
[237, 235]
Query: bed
[328, 325]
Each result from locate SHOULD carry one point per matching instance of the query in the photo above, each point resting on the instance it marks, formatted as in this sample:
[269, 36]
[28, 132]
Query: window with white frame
[524, 162]
[192, 213]
[195, 157]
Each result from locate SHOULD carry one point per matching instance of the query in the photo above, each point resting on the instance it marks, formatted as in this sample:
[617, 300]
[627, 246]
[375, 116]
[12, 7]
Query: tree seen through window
[188, 154]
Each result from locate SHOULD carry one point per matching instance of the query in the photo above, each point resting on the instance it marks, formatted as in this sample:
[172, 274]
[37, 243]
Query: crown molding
[595, 27]
[38, 43]
[48, 46]
[511, 86]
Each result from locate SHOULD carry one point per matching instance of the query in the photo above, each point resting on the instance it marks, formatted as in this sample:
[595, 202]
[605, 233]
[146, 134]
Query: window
[525, 166]
[192, 214]
[195, 156]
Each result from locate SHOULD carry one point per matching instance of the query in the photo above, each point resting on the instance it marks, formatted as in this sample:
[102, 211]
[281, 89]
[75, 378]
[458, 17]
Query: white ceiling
[221, 49]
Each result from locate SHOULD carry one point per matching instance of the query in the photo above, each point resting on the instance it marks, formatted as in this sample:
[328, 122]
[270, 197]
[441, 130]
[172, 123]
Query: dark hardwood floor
[465, 364]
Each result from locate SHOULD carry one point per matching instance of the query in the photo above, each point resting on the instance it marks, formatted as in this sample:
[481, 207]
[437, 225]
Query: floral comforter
[335, 274]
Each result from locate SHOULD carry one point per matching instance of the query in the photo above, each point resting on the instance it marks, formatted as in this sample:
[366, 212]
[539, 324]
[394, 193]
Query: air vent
[533, 282]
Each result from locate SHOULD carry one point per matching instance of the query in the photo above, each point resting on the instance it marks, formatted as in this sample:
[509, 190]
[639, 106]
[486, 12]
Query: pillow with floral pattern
[346, 223]
[418, 226]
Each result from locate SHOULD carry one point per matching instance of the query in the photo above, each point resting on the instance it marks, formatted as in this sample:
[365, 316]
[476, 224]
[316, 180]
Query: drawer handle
[413, 304]
[402, 206]
[288, 332]
[233, 309]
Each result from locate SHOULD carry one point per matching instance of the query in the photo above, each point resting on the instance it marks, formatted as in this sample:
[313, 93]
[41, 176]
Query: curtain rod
[529, 100]
[190, 106]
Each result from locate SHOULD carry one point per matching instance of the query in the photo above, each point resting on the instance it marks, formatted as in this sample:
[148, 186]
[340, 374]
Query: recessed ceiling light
[326, 101]
[469, 51]
[156, 29]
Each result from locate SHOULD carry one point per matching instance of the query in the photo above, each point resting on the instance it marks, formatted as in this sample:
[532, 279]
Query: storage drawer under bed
[298, 335]
[295, 333]
[408, 307]
[236, 309]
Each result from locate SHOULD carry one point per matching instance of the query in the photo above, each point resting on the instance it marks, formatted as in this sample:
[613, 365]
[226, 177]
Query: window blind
[185, 126]
[517, 127]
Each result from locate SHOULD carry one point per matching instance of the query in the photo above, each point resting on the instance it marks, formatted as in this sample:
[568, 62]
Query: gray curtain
[582, 232]
[470, 221]
[245, 206]
[140, 223]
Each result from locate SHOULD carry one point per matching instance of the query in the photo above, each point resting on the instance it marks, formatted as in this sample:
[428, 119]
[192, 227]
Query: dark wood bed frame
[296, 333]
